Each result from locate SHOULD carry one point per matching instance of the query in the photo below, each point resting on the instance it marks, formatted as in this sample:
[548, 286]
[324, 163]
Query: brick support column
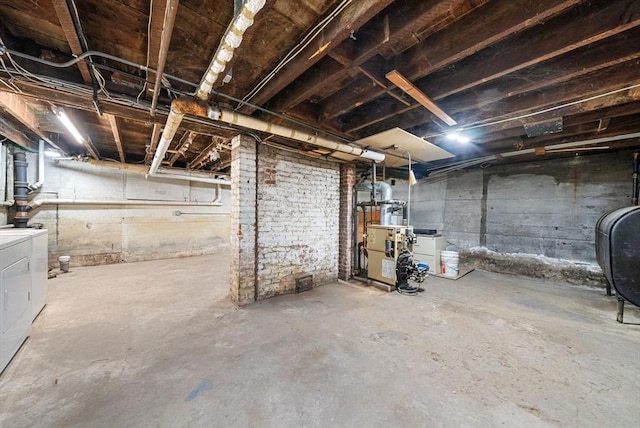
[345, 251]
[243, 220]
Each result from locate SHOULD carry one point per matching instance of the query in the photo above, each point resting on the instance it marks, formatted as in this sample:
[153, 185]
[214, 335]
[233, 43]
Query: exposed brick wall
[243, 220]
[298, 215]
[347, 181]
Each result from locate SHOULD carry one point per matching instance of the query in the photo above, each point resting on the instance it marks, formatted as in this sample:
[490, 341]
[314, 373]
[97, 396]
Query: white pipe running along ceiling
[230, 41]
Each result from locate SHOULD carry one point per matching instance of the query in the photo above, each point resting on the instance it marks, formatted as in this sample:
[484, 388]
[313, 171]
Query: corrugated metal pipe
[20, 189]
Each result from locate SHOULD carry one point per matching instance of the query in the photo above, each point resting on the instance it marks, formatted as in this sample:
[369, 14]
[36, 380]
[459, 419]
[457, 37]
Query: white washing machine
[38, 264]
[15, 294]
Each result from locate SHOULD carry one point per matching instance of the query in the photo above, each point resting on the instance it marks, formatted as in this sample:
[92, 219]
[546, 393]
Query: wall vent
[304, 283]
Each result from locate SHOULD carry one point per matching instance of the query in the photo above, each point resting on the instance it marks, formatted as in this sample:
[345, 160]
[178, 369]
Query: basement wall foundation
[519, 218]
[104, 234]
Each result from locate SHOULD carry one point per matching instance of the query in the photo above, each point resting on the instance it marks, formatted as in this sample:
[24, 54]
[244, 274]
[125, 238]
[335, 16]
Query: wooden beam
[185, 142]
[140, 113]
[155, 138]
[400, 21]
[350, 19]
[477, 30]
[154, 36]
[70, 32]
[165, 40]
[607, 53]
[204, 153]
[612, 100]
[10, 132]
[16, 106]
[403, 83]
[116, 135]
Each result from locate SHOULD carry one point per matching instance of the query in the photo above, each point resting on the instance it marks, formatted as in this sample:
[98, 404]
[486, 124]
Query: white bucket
[449, 263]
[64, 263]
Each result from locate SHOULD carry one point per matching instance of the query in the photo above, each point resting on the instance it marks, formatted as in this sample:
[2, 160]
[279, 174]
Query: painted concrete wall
[544, 208]
[99, 234]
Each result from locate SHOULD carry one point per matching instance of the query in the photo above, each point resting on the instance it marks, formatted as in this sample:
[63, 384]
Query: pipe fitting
[182, 106]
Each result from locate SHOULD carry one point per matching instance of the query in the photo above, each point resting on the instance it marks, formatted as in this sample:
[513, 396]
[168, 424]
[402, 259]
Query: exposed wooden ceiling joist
[479, 29]
[71, 33]
[16, 106]
[493, 64]
[351, 18]
[113, 123]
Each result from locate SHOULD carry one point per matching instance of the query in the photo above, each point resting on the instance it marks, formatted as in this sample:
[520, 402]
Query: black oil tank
[618, 251]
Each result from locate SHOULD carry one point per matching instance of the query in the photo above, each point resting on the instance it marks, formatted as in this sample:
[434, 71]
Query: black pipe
[636, 177]
[20, 190]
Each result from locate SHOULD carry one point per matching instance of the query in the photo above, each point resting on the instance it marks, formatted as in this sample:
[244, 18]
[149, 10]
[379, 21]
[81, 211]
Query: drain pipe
[230, 41]
[40, 182]
[21, 189]
[132, 202]
[636, 177]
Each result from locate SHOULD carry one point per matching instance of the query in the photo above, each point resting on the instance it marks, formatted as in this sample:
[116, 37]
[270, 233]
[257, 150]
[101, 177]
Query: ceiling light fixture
[459, 138]
[62, 116]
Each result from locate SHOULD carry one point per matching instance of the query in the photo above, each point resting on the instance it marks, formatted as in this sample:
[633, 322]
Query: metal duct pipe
[40, 182]
[636, 176]
[386, 195]
[21, 189]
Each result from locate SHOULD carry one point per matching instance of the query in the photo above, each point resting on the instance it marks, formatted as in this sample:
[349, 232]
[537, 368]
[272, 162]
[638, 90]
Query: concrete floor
[158, 344]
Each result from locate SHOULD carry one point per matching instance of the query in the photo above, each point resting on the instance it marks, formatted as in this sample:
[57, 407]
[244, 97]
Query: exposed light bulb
[457, 137]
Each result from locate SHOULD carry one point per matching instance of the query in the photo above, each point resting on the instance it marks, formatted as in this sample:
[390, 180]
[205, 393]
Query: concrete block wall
[298, 201]
[100, 234]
